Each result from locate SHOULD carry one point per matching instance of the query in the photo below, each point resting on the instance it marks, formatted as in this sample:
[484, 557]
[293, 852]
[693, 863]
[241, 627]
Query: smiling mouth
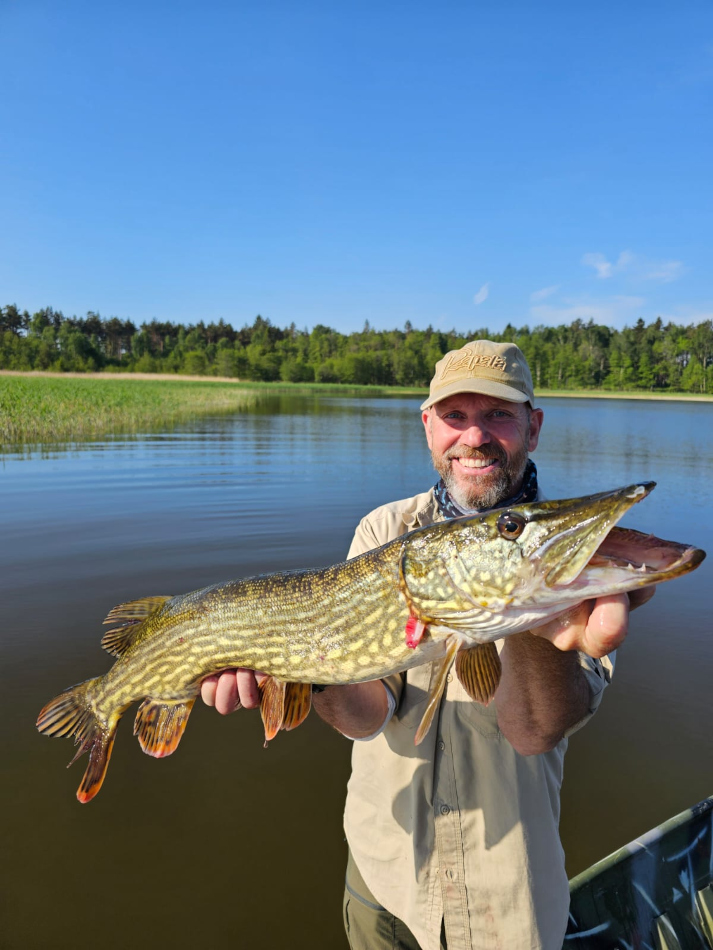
[476, 463]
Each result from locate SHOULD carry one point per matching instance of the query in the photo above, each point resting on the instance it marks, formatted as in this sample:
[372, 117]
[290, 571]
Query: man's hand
[232, 689]
[595, 627]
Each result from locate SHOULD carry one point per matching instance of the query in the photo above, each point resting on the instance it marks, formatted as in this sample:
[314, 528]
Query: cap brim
[483, 387]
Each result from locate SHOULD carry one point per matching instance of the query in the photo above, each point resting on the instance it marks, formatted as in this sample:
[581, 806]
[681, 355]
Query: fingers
[226, 694]
[230, 690]
[208, 689]
[248, 689]
[607, 626]
[594, 627]
[567, 631]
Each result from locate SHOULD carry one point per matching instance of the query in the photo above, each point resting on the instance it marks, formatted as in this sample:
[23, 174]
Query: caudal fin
[71, 714]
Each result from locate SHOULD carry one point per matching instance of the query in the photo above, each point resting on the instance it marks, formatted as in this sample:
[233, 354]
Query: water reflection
[223, 826]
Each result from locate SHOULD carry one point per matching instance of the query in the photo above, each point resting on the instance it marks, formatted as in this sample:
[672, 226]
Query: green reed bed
[36, 409]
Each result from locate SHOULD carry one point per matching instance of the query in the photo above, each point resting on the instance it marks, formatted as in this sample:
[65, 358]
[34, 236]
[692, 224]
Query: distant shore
[256, 385]
[599, 394]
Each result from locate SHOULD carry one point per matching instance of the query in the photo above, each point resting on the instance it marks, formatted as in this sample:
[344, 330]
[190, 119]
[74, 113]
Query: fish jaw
[561, 537]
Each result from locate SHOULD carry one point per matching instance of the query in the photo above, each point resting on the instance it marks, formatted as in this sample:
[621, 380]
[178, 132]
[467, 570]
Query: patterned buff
[451, 509]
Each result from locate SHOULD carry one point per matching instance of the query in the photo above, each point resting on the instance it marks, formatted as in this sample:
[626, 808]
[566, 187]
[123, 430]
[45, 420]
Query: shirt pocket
[414, 697]
[484, 719]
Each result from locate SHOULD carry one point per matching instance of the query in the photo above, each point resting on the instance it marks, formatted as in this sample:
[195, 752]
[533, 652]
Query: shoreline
[324, 387]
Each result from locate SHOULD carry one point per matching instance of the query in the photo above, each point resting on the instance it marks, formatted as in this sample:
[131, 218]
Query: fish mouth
[578, 548]
[627, 559]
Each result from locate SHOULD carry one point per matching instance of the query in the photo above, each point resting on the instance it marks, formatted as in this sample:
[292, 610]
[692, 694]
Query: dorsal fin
[118, 641]
[136, 610]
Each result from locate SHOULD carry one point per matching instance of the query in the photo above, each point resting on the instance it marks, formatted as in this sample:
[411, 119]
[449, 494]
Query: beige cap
[493, 369]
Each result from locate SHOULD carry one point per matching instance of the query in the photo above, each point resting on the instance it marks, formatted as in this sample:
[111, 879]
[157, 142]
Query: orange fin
[439, 672]
[136, 610]
[298, 702]
[160, 725]
[478, 668]
[272, 706]
[71, 714]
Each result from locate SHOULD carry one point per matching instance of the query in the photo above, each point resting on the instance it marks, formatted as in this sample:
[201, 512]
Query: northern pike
[439, 594]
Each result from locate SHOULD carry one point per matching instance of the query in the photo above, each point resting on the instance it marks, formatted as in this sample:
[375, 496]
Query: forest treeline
[657, 356]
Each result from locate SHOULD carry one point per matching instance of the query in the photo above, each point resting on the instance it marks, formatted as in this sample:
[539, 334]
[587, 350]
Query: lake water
[226, 842]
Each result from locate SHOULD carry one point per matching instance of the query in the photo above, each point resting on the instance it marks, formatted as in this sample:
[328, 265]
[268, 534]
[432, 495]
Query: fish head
[510, 569]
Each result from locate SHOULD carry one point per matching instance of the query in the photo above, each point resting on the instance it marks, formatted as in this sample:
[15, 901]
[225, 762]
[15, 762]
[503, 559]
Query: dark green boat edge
[652, 894]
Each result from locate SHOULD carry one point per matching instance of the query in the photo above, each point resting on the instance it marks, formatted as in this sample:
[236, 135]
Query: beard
[488, 490]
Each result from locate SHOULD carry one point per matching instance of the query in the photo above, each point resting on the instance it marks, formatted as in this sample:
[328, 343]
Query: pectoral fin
[478, 668]
[439, 672]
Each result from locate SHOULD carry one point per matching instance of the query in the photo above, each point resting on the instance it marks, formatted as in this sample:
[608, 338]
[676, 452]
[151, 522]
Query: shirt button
[451, 874]
[442, 745]
[445, 810]
[449, 678]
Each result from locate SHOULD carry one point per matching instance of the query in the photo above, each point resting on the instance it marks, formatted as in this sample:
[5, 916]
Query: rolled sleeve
[598, 674]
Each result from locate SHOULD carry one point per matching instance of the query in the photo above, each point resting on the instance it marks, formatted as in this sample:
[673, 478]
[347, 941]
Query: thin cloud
[482, 294]
[664, 271]
[635, 266]
[605, 268]
[538, 295]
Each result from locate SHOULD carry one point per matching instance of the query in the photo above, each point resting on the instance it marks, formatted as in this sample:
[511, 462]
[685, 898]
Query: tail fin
[71, 714]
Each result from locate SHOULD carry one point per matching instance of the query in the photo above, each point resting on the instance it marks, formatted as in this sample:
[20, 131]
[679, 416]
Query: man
[456, 840]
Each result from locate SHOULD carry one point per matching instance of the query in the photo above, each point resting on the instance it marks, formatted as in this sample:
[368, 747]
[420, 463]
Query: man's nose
[476, 433]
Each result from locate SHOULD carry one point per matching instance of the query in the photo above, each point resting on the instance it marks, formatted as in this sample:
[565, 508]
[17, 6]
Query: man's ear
[426, 419]
[536, 417]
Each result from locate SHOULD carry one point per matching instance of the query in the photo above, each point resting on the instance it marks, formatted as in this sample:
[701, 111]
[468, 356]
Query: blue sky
[461, 164]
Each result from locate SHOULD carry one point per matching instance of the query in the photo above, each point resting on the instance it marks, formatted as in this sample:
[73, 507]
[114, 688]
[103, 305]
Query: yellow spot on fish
[364, 660]
[348, 666]
[334, 654]
[357, 645]
[374, 646]
[485, 577]
[387, 639]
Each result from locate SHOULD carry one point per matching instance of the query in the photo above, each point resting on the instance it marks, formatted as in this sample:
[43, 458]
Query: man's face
[479, 445]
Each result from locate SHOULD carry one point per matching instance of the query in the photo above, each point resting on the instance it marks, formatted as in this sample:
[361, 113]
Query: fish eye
[511, 525]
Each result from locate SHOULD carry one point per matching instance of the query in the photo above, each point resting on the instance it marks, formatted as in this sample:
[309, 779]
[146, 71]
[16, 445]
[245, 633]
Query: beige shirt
[460, 828]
